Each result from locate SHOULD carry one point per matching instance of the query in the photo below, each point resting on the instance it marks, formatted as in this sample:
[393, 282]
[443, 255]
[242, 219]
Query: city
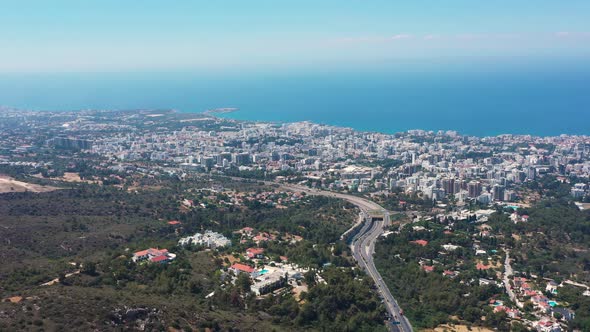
[463, 208]
[245, 166]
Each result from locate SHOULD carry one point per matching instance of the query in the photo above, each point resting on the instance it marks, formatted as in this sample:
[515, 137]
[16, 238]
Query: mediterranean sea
[545, 102]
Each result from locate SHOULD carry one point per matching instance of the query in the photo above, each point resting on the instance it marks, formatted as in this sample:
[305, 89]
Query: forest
[94, 229]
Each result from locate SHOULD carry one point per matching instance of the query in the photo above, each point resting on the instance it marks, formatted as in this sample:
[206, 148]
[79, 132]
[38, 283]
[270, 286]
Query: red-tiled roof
[480, 266]
[421, 242]
[255, 251]
[428, 268]
[160, 258]
[500, 308]
[142, 253]
[151, 251]
[243, 268]
[174, 222]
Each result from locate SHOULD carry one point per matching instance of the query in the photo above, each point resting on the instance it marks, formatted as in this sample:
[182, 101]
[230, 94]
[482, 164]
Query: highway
[363, 247]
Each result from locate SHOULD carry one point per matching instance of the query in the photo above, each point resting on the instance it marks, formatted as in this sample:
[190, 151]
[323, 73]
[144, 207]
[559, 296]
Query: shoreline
[228, 113]
[229, 116]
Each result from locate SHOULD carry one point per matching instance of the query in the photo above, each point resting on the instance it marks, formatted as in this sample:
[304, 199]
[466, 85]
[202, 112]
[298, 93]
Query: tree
[309, 278]
[89, 268]
[495, 318]
[518, 327]
[243, 282]
[472, 314]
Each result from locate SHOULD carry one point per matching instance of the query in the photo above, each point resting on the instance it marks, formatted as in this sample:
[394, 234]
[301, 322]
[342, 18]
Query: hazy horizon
[110, 36]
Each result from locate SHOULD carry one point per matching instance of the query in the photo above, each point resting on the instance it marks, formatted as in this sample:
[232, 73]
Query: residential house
[485, 282]
[480, 266]
[153, 255]
[428, 268]
[422, 243]
[255, 253]
[551, 287]
[450, 274]
[238, 268]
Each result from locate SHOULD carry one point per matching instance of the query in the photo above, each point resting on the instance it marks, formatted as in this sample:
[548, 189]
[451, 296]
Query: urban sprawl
[459, 178]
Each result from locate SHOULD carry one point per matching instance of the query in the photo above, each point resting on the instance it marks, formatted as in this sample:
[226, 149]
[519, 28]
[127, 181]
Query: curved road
[363, 247]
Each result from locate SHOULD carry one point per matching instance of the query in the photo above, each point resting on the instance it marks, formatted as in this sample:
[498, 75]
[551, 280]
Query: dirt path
[56, 280]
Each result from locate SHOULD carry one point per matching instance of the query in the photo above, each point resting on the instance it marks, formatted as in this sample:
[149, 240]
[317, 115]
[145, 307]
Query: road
[363, 247]
[508, 272]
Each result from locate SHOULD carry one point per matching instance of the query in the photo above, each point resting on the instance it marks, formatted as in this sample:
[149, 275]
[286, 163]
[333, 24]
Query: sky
[115, 35]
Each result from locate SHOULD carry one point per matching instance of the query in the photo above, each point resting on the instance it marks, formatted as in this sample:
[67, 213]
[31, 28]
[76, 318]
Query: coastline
[377, 127]
[543, 103]
[381, 127]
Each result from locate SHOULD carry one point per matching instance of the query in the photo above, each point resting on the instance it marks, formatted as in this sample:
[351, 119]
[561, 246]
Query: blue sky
[108, 35]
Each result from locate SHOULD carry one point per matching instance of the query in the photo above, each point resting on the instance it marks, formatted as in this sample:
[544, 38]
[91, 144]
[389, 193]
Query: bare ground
[458, 328]
[8, 184]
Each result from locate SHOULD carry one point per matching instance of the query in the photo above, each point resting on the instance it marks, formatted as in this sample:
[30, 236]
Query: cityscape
[308, 166]
[459, 207]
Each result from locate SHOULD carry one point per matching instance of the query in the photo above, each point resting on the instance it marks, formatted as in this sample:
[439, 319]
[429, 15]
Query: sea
[484, 101]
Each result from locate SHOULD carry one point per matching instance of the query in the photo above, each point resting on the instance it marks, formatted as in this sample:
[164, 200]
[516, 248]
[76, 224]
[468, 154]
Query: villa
[241, 268]
[255, 253]
[153, 255]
